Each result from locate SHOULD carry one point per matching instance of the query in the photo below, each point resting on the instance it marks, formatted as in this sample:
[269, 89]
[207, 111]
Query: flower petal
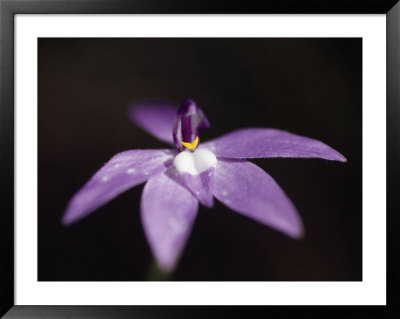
[123, 171]
[168, 211]
[247, 189]
[262, 142]
[157, 118]
[200, 185]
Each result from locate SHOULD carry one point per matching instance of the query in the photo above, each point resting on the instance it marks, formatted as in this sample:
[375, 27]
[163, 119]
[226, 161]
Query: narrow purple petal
[190, 119]
[262, 142]
[157, 118]
[200, 185]
[168, 211]
[123, 171]
[248, 190]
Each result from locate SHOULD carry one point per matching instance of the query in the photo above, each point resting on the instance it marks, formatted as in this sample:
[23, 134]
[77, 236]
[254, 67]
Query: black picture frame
[8, 10]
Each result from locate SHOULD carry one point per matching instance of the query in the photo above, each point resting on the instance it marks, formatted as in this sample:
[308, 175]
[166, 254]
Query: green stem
[154, 273]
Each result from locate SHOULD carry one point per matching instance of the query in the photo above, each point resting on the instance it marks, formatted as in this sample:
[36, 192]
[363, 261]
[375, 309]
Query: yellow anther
[191, 146]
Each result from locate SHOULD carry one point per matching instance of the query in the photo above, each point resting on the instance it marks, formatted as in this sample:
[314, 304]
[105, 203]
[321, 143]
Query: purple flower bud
[190, 119]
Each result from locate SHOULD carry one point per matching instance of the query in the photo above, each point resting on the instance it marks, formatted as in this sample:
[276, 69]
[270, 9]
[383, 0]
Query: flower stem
[154, 273]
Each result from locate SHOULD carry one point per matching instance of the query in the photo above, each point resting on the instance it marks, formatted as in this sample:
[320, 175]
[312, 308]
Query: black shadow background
[311, 87]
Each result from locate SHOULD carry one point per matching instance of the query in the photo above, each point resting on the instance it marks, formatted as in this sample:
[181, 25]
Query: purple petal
[123, 171]
[190, 119]
[157, 118]
[247, 189]
[262, 142]
[168, 211]
[200, 185]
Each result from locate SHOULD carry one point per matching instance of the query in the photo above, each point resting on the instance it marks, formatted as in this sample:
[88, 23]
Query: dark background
[311, 87]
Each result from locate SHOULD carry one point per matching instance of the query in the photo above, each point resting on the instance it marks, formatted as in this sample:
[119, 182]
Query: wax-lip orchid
[179, 179]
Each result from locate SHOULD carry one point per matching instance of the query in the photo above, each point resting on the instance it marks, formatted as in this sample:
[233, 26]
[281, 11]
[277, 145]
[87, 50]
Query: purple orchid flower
[178, 179]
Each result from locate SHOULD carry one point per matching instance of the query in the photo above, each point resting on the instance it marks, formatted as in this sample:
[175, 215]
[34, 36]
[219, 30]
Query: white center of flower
[195, 162]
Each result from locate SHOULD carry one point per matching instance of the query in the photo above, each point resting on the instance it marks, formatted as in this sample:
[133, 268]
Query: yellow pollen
[191, 146]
